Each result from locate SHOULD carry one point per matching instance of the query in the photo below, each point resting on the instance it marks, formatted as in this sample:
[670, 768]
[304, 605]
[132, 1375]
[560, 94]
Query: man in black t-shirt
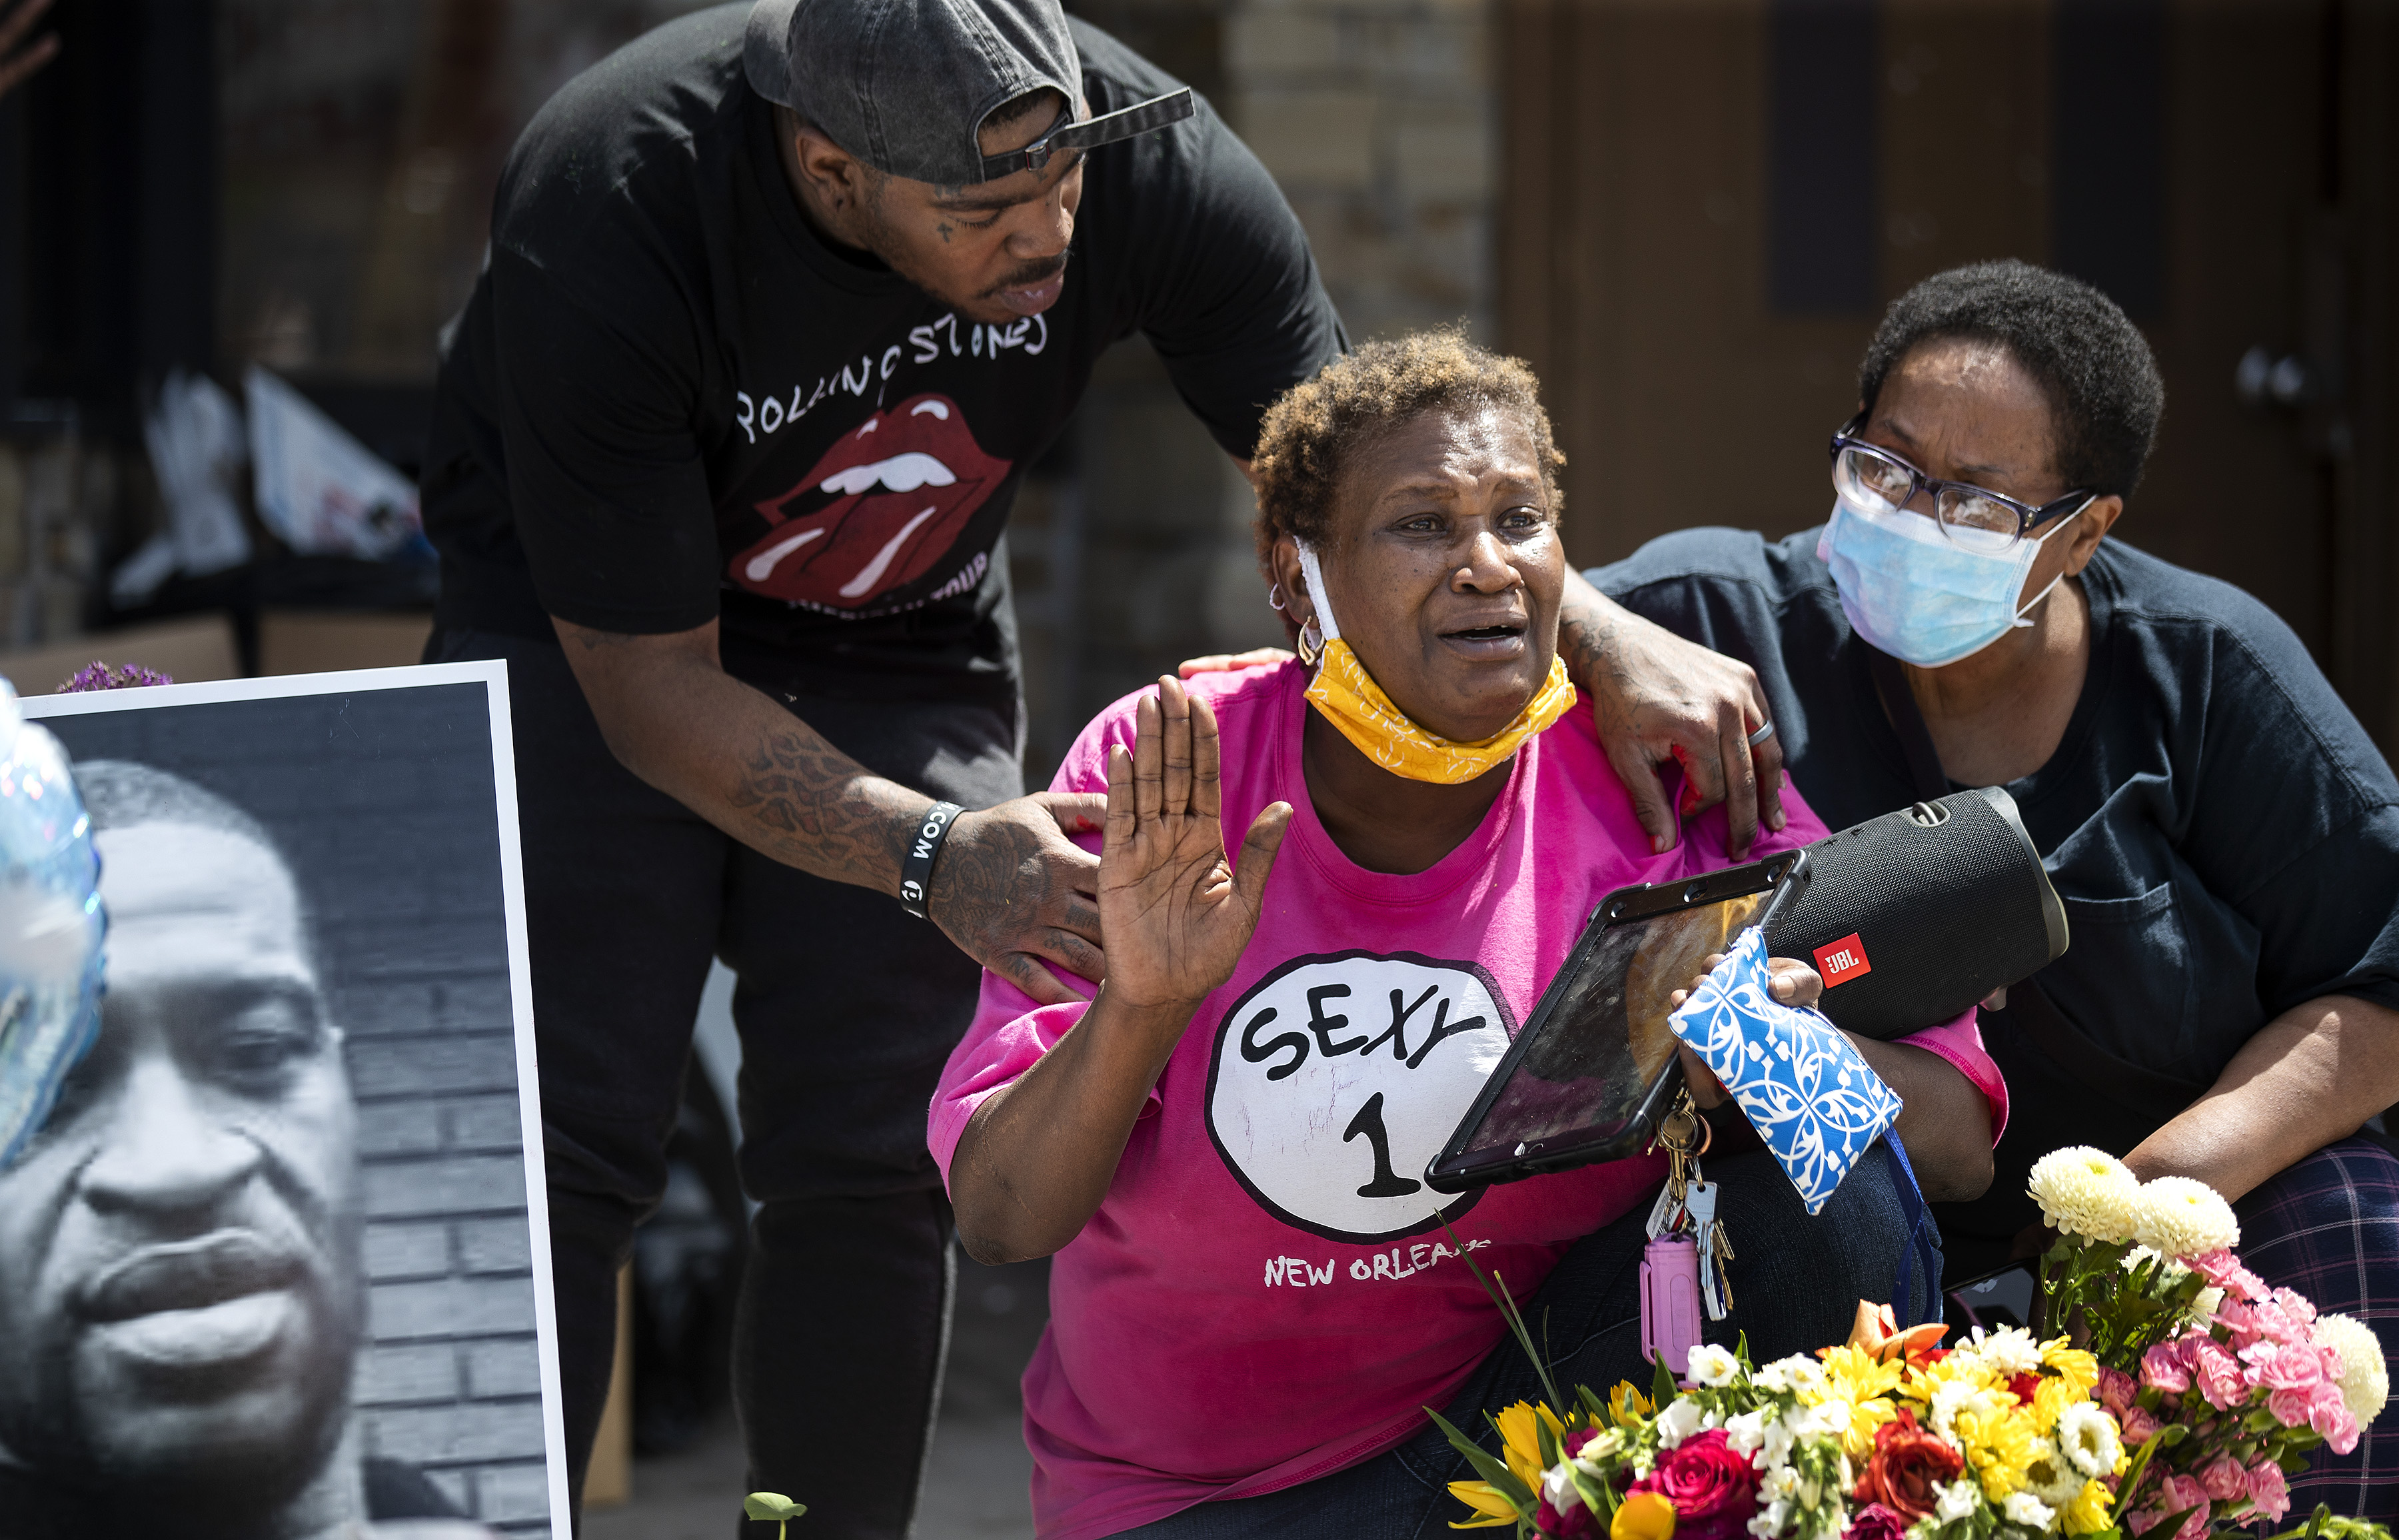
[781, 303]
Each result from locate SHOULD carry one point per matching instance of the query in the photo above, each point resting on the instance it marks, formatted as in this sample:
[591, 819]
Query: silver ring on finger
[1761, 735]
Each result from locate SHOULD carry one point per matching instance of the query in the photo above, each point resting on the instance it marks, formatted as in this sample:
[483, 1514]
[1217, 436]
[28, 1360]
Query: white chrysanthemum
[1678, 1422]
[2087, 1437]
[1948, 1397]
[2181, 1217]
[1712, 1365]
[2011, 1351]
[1958, 1500]
[2364, 1373]
[2086, 1192]
[2050, 1476]
[2023, 1508]
[2169, 1271]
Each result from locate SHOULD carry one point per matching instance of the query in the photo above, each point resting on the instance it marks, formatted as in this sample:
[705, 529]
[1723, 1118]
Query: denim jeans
[1796, 1282]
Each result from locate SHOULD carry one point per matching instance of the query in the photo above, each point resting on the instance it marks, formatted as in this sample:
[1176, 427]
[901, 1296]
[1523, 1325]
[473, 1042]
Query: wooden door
[1709, 204]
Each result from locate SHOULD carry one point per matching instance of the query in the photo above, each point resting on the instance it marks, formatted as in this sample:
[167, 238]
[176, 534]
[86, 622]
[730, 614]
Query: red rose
[1908, 1462]
[1875, 1522]
[1714, 1489]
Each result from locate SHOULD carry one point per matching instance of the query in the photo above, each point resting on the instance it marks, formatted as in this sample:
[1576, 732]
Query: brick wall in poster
[383, 801]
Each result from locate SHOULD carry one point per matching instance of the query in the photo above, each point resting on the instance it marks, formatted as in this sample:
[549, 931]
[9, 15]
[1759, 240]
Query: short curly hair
[2093, 363]
[1311, 429]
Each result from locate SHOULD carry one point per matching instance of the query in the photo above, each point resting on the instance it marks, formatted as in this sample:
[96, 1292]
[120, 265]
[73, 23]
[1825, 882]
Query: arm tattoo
[808, 793]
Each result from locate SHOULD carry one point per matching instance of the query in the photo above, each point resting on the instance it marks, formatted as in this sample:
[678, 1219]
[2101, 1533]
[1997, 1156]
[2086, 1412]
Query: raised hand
[1176, 915]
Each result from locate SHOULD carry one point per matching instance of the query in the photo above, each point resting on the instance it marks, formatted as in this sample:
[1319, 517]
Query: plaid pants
[2329, 1227]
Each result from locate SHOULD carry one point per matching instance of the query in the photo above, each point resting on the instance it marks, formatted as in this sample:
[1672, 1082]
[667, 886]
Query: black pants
[848, 1008]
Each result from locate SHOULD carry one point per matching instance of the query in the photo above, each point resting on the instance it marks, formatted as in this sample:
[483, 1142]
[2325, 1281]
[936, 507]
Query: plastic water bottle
[51, 926]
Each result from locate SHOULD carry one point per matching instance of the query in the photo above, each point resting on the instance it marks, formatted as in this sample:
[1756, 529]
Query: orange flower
[1877, 1334]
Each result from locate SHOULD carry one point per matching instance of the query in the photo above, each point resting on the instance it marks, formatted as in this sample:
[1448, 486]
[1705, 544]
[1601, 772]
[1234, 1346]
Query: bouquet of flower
[2177, 1392]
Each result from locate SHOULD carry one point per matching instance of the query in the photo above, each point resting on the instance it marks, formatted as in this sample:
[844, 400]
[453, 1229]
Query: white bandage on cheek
[1318, 593]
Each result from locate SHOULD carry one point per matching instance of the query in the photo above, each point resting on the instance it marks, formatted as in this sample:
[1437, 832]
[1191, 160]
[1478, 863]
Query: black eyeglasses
[1974, 518]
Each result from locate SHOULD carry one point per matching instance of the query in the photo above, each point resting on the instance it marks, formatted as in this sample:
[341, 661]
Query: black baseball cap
[906, 84]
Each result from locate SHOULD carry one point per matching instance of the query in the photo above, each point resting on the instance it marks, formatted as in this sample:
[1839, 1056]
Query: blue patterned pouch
[1815, 1101]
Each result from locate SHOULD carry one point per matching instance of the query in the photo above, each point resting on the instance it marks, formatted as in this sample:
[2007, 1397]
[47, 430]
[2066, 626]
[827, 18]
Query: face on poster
[276, 1263]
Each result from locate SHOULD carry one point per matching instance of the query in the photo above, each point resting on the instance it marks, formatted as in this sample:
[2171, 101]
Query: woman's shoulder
[2216, 657]
[1242, 699]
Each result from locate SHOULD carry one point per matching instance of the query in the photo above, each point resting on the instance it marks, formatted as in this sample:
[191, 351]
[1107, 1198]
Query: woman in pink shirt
[1254, 1297]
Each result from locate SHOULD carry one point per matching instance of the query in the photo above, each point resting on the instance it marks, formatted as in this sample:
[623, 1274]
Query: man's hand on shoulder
[1014, 893]
[1657, 698]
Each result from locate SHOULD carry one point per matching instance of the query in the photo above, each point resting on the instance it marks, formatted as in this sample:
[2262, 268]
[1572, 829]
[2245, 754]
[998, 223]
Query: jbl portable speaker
[1914, 916]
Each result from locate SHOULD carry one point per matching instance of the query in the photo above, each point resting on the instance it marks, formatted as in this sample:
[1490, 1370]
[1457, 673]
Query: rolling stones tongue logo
[903, 486]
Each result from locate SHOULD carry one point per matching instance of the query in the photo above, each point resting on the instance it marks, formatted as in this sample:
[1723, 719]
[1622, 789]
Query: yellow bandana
[1352, 702]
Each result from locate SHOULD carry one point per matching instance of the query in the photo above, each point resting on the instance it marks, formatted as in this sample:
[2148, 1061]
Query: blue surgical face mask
[1917, 594]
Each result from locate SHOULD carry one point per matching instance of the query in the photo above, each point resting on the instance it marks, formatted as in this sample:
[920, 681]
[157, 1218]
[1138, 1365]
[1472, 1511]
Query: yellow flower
[1643, 1515]
[2051, 1399]
[1857, 1376]
[2075, 1366]
[1627, 1406]
[2088, 1513]
[1998, 1444]
[1523, 1443]
[1491, 1505]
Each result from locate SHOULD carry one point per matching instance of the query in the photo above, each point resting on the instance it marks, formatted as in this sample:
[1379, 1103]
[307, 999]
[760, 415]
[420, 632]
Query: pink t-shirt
[1267, 1294]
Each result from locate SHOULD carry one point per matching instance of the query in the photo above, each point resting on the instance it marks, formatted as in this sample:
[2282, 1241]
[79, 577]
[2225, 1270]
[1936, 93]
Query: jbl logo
[1843, 960]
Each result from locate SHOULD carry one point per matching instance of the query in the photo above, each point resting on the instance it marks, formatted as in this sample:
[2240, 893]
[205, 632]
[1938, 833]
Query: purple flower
[97, 675]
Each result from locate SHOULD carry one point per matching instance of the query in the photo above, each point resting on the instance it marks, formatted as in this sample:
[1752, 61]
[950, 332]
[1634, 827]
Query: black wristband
[917, 866]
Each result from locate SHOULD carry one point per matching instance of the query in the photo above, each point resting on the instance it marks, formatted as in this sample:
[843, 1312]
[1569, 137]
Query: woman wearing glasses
[2223, 832]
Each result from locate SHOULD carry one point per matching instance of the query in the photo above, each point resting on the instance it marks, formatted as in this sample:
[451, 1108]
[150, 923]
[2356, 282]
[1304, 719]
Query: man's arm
[1009, 887]
[1657, 697]
[2311, 1075]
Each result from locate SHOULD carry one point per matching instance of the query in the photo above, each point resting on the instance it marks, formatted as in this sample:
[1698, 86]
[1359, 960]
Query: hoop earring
[1274, 597]
[1311, 641]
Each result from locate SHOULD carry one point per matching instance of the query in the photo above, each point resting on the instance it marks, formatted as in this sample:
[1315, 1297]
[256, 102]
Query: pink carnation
[2166, 1366]
[2291, 1407]
[2277, 1323]
[2268, 1491]
[2297, 1305]
[2224, 1270]
[2329, 1416]
[2178, 1494]
[2219, 1374]
[2141, 1424]
[2286, 1368]
[2224, 1479]
[2117, 1390]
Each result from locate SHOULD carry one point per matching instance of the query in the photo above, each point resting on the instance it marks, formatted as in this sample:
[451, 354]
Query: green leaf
[1596, 1496]
[772, 1507]
[1596, 1409]
[1661, 1385]
[1487, 1466]
[1545, 1444]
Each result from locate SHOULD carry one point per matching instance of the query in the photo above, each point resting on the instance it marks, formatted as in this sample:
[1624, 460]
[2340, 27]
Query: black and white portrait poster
[277, 1265]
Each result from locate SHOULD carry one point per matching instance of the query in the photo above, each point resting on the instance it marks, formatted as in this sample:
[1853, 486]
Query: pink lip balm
[1669, 1302]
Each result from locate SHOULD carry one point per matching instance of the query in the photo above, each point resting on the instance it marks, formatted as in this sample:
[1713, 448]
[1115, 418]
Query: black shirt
[2223, 834]
[669, 401]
